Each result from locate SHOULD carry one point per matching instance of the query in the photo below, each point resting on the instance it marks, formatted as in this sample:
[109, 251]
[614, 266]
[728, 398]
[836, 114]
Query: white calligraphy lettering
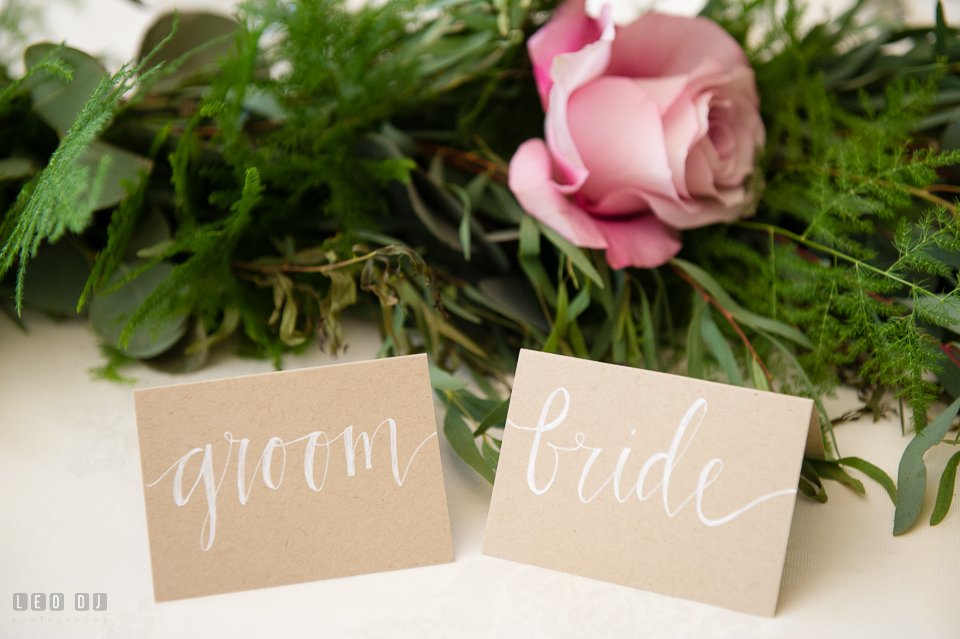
[686, 432]
[314, 440]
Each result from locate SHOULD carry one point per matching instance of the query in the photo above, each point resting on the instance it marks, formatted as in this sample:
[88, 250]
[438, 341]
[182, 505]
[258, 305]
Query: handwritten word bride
[314, 440]
[670, 461]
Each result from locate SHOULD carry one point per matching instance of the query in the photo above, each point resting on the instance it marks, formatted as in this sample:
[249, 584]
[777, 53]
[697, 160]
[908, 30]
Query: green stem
[769, 228]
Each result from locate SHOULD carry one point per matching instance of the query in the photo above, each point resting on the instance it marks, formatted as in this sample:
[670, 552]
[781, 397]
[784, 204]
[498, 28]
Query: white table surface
[73, 521]
[72, 513]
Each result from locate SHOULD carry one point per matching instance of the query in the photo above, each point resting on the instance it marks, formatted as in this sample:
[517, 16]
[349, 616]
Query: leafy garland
[311, 160]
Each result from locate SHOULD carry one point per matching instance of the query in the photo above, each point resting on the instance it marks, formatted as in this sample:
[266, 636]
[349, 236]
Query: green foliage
[945, 492]
[852, 244]
[63, 195]
[912, 475]
[337, 160]
[843, 248]
[58, 200]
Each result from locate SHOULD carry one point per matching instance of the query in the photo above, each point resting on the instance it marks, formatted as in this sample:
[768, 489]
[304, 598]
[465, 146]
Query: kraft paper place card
[659, 482]
[289, 477]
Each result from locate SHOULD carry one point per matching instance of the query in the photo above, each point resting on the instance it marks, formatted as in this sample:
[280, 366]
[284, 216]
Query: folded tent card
[289, 477]
[659, 482]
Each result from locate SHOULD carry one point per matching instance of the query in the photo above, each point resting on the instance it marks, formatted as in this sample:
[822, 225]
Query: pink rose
[650, 128]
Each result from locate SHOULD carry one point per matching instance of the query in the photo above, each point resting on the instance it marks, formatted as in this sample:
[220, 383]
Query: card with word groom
[665, 483]
[289, 477]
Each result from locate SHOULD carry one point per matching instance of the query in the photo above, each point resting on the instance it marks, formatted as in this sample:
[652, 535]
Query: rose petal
[642, 241]
[617, 129]
[684, 125]
[699, 174]
[569, 72]
[703, 182]
[621, 202]
[735, 196]
[664, 91]
[659, 45]
[570, 29]
[530, 180]
[688, 214]
[667, 90]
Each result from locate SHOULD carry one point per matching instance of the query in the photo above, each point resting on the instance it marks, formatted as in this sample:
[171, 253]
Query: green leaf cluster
[307, 161]
[856, 234]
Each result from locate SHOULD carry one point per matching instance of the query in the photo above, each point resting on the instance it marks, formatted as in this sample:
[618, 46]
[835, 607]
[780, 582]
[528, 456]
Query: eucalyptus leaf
[444, 381]
[496, 417]
[529, 258]
[813, 491]
[874, 473]
[491, 455]
[159, 249]
[509, 296]
[437, 226]
[455, 203]
[533, 268]
[464, 232]
[575, 254]
[447, 52]
[945, 492]
[231, 320]
[59, 100]
[454, 307]
[461, 440]
[579, 304]
[189, 354]
[852, 62]
[476, 187]
[831, 470]
[404, 142]
[478, 408]
[507, 206]
[122, 168]
[56, 278]
[721, 349]
[937, 118]
[263, 103]
[942, 33]
[204, 36]
[110, 314]
[829, 445]
[912, 475]
[759, 377]
[529, 237]
[559, 322]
